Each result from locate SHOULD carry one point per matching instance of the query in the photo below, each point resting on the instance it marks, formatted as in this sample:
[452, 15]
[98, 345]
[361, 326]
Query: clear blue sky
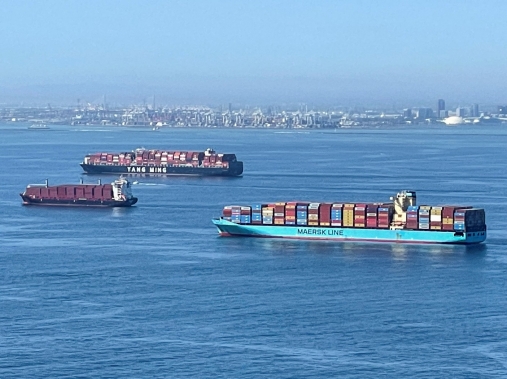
[191, 51]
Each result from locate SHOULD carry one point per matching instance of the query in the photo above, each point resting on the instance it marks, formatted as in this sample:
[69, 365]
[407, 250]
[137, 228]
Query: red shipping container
[60, 192]
[325, 214]
[371, 221]
[71, 192]
[88, 192]
[108, 191]
[33, 191]
[80, 192]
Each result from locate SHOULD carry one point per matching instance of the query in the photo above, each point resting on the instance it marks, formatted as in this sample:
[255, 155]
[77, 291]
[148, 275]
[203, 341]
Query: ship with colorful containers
[116, 194]
[399, 221]
[163, 162]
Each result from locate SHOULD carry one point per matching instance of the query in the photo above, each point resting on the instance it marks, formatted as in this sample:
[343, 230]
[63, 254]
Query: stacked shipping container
[302, 214]
[371, 215]
[162, 158]
[336, 214]
[69, 192]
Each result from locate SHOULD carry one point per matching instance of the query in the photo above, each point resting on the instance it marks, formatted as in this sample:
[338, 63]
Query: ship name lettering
[320, 232]
[158, 170]
[136, 169]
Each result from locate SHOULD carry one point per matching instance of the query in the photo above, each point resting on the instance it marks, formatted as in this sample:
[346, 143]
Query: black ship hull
[78, 202]
[235, 169]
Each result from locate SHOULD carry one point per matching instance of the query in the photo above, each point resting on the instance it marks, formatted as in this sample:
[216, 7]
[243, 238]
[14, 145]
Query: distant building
[424, 113]
[407, 113]
[475, 110]
[443, 114]
[460, 112]
[440, 106]
[502, 109]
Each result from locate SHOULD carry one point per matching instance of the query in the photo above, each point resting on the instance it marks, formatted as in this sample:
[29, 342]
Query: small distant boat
[38, 127]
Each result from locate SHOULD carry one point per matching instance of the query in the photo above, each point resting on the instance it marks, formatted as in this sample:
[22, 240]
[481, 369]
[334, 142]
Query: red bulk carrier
[116, 194]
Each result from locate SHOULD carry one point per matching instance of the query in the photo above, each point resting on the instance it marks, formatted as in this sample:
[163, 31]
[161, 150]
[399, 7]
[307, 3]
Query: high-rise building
[440, 106]
[475, 110]
[423, 113]
[460, 112]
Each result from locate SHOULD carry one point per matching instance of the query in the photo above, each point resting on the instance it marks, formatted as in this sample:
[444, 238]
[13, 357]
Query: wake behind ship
[163, 162]
[116, 194]
[401, 221]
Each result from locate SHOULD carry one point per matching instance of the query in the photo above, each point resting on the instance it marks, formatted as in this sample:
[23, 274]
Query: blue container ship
[400, 221]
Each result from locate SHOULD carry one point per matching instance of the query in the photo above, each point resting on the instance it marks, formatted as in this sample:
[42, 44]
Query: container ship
[116, 194]
[400, 220]
[163, 162]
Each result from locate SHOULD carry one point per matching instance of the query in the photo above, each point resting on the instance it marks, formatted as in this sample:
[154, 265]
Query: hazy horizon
[350, 52]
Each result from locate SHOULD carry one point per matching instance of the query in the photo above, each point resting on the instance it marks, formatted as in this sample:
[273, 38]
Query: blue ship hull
[227, 228]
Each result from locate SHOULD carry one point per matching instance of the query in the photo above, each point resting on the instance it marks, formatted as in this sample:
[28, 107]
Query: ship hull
[227, 228]
[78, 202]
[235, 169]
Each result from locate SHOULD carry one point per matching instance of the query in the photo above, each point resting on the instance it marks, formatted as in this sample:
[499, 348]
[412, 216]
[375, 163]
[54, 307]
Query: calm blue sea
[153, 292]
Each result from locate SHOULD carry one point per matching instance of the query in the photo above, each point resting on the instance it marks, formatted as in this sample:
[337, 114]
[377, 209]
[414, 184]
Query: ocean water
[153, 292]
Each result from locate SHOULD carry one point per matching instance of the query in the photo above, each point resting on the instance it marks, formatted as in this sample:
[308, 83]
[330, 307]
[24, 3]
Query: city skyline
[220, 51]
[300, 116]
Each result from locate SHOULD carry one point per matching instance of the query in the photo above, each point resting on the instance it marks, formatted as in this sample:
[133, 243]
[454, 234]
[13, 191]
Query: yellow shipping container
[348, 217]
